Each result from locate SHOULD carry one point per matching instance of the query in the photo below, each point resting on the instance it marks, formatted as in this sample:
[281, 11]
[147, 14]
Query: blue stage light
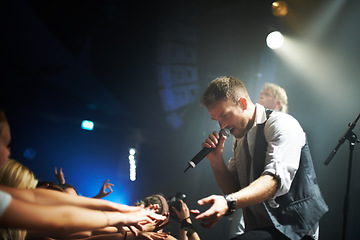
[87, 125]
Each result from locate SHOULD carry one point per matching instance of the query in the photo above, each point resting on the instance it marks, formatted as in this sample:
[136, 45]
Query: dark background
[106, 61]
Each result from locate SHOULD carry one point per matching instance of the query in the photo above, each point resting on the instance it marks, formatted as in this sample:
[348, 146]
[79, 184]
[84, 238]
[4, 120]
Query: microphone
[205, 151]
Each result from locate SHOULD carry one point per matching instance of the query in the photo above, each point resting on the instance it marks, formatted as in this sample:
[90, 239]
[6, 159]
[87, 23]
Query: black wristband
[185, 224]
[190, 232]
[188, 227]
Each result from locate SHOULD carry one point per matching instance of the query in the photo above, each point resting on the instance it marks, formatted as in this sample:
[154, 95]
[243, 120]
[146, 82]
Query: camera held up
[174, 201]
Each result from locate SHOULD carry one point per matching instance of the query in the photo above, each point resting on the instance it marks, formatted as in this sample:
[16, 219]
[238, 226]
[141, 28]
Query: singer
[271, 174]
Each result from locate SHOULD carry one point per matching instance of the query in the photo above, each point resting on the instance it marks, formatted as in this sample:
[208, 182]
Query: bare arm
[31, 234]
[224, 178]
[66, 219]
[106, 230]
[43, 235]
[55, 219]
[49, 197]
[260, 190]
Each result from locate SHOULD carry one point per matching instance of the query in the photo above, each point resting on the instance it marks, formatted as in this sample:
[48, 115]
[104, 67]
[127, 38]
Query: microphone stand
[351, 136]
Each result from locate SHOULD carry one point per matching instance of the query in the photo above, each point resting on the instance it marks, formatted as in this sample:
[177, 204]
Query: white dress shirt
[285, 138]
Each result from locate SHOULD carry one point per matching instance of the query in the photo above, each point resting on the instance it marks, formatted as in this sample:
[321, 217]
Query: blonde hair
[17, 175]
[278, 93]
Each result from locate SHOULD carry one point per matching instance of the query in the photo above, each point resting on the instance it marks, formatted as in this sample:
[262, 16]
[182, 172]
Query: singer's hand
[214, 141]
[210, 217]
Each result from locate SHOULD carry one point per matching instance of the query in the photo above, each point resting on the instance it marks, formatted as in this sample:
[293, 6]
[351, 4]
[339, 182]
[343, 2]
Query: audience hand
[139, 219]
[112, 206]
[149, 215]
[183, 213]
[152, 235]
[59, 176]
[103, 193]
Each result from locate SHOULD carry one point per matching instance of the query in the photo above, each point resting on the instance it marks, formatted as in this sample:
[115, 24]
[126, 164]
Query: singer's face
[231, 115]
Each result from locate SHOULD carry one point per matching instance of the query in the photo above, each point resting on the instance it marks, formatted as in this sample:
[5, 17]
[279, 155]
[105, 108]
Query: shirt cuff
[272, 203]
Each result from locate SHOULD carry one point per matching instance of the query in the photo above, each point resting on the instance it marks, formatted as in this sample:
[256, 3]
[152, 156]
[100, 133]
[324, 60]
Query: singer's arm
[260, 190]
[224, 178]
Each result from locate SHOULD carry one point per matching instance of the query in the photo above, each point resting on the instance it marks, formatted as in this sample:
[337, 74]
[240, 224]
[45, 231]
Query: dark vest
[303, 206]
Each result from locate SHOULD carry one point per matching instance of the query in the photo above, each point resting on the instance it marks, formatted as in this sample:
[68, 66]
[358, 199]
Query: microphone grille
[225, 132]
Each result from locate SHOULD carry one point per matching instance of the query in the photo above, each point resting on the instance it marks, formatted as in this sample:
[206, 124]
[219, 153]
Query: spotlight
[132, 151]
[87, 125]
[279, 8]
[132, 163]
[274, 40]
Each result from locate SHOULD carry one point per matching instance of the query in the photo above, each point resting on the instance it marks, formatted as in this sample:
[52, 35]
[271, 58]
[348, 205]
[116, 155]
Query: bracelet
[107, 217]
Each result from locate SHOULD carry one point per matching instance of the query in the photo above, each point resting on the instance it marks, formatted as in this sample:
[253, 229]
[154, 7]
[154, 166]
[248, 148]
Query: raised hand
[59, 176]
[103, 193]
[183, 213]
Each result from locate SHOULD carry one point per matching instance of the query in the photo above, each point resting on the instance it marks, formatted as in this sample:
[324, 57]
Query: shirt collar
[260, 114]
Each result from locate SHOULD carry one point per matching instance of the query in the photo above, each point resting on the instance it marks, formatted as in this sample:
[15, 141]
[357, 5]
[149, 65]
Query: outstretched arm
[258, 191]
[49, 197]
[68, 219]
